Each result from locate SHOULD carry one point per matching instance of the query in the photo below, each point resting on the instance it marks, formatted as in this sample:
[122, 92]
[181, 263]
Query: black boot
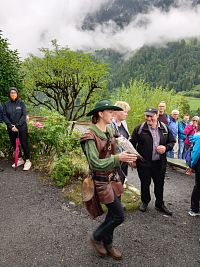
[143, 207]
[164, 209]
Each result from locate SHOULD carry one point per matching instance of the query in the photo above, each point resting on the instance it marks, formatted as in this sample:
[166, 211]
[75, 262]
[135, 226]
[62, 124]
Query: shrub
[63, 170]
[5, 146]
[67, 167]
[58, 147]
[53, 147]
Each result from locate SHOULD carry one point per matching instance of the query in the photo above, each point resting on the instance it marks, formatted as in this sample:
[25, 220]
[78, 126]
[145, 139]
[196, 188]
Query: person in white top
[120, 127]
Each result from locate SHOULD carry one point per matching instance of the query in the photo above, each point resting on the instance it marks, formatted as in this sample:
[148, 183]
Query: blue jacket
[1, 113]
[195, 154]
[181, 126]
[173, 126]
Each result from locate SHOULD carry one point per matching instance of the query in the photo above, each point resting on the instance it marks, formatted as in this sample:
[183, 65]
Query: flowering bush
[53, 147]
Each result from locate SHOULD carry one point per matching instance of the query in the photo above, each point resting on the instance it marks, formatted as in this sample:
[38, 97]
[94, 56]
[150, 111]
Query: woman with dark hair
[99, 146]
[14, 113]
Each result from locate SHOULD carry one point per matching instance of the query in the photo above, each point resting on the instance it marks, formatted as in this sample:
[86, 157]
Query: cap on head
[13, 88]
[102, 105]
[11, 96]
[151, 111]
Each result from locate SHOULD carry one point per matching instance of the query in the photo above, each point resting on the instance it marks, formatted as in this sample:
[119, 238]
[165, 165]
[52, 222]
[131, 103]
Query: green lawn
[194, 103]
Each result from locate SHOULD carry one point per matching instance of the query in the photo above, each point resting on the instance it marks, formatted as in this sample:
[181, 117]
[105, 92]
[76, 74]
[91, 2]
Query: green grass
[194, 103]
[73, 193]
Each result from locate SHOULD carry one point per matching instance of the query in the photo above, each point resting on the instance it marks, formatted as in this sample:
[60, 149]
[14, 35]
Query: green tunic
[92, 153]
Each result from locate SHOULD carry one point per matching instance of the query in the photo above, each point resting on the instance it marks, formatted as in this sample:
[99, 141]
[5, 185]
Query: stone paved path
[36, 229]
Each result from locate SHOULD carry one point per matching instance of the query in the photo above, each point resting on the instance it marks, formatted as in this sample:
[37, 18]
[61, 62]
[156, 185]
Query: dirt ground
[38, 229]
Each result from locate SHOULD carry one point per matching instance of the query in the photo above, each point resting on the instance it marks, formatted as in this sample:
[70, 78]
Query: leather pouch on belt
[105, 192]
[117, 187]
[90, 198]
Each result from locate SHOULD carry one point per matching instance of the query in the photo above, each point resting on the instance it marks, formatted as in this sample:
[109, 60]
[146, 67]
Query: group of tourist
[153, 139]
[156, 138]
[13, 113]
[182, 131]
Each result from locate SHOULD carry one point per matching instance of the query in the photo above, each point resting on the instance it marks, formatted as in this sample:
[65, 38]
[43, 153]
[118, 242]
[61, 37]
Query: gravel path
[37, 229]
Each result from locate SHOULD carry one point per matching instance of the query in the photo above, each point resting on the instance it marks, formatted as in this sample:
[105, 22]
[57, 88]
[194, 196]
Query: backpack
[161, 123]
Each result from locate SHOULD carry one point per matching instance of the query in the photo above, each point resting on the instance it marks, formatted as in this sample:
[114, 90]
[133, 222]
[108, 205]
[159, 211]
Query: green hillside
[177, 66]
[194, 103]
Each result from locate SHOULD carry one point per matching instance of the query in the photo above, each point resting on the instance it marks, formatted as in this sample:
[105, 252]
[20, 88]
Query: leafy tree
[9, 68]
[64, 80]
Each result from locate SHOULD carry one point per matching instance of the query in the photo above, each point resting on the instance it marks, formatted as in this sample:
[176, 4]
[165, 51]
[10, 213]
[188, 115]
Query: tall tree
[9, 68]
[64, 80]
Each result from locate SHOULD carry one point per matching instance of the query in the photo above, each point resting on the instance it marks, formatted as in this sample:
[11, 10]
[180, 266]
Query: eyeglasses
[151, 116]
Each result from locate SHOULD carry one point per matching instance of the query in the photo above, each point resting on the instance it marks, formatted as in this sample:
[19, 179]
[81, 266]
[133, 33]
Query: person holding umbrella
[14, 113]
[1, 120]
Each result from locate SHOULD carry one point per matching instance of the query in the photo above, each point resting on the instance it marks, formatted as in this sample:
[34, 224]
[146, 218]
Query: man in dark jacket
[1, 120]
[162, 116]
[14, 113]
[152, 140]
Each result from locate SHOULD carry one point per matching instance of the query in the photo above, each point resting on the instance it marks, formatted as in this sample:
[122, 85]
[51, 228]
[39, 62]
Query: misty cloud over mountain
[122, 12]
[89, 25]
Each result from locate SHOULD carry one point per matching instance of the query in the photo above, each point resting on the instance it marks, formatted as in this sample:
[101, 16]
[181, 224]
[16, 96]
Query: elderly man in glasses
[173, 127]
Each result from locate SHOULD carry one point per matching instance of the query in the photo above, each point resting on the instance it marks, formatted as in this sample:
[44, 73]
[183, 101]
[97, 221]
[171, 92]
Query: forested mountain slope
[176, 65]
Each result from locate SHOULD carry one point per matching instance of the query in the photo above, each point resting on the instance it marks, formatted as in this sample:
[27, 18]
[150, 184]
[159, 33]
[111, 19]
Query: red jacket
[188, 131]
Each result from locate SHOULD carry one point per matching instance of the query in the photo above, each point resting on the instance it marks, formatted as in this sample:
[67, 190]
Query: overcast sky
[32, 24]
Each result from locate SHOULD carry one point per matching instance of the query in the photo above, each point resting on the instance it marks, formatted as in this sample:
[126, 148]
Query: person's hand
[14, 129]
[127, 157]
[160, 149]
[188, 171]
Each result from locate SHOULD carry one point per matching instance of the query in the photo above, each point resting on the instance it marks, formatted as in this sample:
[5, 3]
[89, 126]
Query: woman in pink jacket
[189, 130]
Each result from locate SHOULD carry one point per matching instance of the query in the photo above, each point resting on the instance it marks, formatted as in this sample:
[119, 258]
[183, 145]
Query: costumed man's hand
[127, 157]
[161, 149]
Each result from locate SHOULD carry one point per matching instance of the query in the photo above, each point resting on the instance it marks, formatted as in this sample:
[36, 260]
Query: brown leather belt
[105, 177]
[106, 174]
[101, 178]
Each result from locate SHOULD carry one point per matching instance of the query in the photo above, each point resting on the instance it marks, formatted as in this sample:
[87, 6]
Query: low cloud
[29, 25]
